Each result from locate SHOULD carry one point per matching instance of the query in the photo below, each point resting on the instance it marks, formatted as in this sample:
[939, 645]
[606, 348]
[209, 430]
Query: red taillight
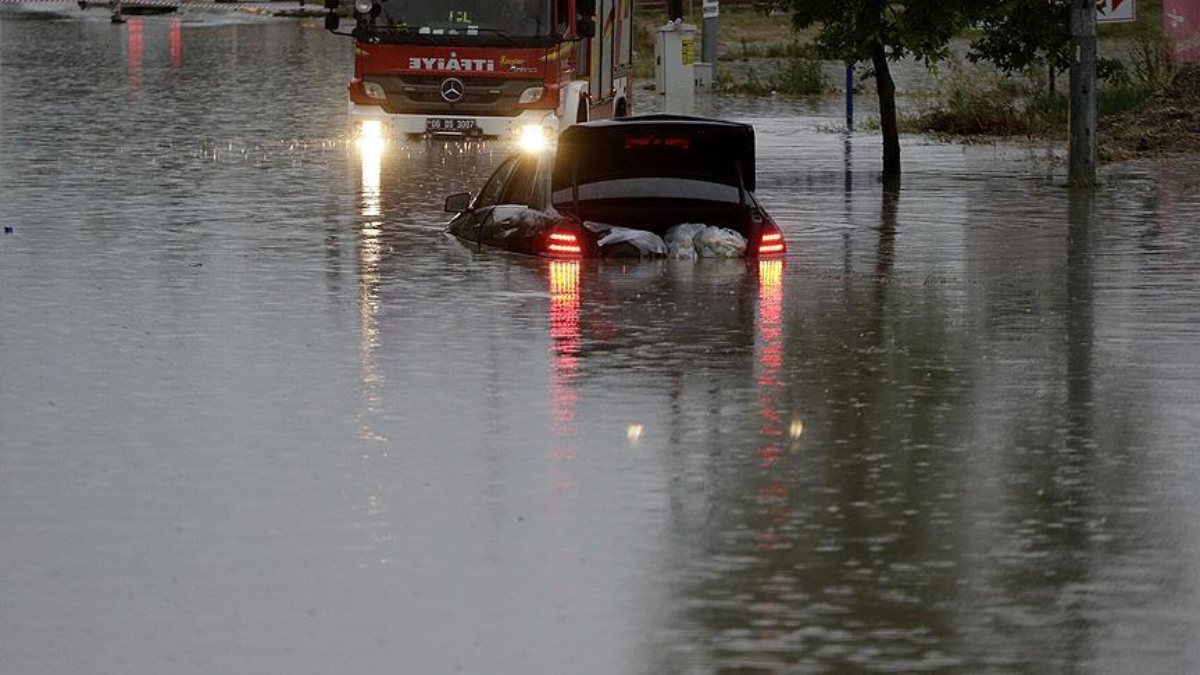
[772, 242]
[563, 244]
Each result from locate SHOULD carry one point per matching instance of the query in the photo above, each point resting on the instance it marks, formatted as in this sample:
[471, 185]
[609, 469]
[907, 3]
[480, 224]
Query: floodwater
[259, 415]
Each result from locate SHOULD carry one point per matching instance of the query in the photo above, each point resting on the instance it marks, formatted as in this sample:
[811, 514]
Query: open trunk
[653, 173]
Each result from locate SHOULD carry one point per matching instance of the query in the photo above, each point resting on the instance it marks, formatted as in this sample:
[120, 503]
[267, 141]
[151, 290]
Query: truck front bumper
[419, 125]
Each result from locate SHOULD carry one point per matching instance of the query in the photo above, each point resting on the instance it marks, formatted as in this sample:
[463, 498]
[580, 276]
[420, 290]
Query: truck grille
[422, 95]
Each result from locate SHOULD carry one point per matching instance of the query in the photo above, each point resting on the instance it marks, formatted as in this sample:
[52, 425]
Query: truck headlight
[364, 6]
[374, 90]
[533, 138]
[531, 95]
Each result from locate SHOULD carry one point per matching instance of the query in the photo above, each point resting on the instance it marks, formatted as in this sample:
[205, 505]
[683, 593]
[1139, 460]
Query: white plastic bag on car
[517, 221]
[646, 242]
[533, 218]
[680, 240]
[598, 228]
[719, 242]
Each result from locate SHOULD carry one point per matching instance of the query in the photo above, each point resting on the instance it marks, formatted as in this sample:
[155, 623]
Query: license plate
[448, 125]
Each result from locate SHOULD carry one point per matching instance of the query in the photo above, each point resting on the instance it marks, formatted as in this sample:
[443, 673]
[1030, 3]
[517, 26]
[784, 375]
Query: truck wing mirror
[332, 20]
[458, 202]
[585, 27]
[585, 18]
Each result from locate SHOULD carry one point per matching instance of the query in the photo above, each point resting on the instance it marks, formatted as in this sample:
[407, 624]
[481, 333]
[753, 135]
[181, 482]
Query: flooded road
[259, 415]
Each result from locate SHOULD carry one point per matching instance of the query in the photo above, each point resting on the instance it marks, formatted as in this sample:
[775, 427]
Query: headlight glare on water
[370, 137]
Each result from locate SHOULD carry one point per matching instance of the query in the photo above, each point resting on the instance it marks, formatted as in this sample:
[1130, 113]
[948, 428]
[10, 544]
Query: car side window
[562, 16]
[521, 183]
[490, 194]
[538, 200]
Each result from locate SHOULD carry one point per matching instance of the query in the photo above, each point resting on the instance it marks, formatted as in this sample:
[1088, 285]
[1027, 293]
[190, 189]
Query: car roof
[720, 151]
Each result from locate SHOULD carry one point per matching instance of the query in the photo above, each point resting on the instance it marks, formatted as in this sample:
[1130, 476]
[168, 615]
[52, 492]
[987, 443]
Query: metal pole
[708, 48]
[850, 96]
[1081, 156]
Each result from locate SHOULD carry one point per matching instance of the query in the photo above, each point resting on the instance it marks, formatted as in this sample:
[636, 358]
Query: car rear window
[650, 187]
[666, 159]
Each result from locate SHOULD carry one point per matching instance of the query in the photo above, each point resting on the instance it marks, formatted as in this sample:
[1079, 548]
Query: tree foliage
[1018, 35]
[851, 28]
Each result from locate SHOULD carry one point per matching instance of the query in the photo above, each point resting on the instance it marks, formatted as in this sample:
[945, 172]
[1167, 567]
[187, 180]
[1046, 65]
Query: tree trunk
[887, 112]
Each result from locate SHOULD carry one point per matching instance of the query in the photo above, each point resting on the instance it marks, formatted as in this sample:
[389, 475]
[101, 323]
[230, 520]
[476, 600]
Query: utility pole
[708, 47]
[1081, 155]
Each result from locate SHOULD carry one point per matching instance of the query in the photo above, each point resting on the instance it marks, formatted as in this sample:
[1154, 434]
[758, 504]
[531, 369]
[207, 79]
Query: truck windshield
[511, 18]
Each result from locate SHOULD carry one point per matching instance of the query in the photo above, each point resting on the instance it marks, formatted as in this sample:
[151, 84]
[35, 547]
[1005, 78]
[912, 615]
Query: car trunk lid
[641, 165]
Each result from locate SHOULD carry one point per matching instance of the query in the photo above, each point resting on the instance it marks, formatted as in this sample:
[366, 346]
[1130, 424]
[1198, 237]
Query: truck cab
[489, 68]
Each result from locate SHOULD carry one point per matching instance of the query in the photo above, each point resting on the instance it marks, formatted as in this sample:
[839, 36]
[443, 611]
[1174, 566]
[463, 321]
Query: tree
[1019, 34]
[878, 32]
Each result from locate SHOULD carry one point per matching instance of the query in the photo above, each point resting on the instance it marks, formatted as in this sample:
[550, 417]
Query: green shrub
[753, 86]
[1118, 99]
[1150, 59]
[802, 77]
[999, 106]
[971, 105]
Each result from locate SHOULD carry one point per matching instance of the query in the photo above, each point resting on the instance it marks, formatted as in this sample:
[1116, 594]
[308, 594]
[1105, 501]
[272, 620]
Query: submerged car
[647, 186]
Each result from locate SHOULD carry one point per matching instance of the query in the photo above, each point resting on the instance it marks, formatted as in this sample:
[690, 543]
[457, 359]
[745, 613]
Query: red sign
[1181, 26]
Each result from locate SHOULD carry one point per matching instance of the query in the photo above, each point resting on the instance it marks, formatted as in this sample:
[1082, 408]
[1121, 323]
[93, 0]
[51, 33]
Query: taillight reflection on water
[565, 343]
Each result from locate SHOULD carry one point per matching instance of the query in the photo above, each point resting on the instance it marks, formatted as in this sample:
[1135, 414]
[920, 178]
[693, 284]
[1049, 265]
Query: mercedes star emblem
[453, 89]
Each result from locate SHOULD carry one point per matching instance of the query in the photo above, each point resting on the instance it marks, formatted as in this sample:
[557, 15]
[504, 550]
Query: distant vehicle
[130, 7]
[488, 67]
[654, 185]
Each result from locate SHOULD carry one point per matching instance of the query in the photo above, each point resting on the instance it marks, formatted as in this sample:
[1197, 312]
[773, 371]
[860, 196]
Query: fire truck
[493, 68]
